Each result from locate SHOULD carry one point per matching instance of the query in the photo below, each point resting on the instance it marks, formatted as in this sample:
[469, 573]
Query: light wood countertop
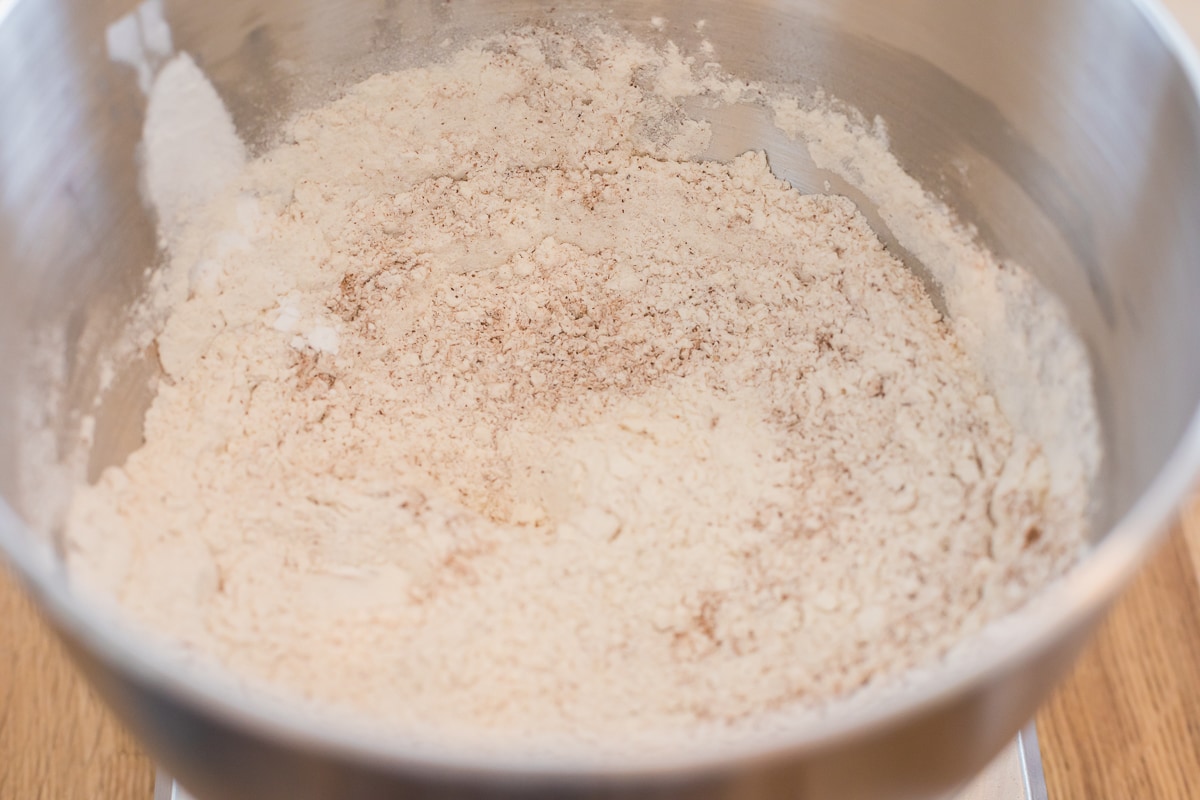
[57, 741]
[1126, 726]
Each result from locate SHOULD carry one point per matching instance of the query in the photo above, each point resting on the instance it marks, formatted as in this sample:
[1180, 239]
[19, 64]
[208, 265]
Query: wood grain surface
[57, 741]
[1126, 726]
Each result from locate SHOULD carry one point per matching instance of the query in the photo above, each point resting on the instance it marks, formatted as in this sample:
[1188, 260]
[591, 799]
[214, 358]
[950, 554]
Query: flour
[491, 414]
[988, 301]
[191, 147]
[140, 39]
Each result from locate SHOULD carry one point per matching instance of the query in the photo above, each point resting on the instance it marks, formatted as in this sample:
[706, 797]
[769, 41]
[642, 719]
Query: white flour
[192, 150]
[988, 302]
[490, 414]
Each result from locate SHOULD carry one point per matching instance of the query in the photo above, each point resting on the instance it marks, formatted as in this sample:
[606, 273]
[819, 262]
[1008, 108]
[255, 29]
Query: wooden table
[57, 742]
[1125, 727]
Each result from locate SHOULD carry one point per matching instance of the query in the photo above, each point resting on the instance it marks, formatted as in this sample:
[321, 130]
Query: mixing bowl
[1066, 131]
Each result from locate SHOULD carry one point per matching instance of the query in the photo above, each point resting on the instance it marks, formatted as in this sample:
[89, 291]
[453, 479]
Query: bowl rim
[1071, 603]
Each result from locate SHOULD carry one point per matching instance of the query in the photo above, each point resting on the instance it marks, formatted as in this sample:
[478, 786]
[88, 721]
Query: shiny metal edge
[1033, 778]
[165, 787]
[1032, 774]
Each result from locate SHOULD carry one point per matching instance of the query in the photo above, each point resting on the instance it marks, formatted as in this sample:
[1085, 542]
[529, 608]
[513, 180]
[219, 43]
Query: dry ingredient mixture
[492, 413]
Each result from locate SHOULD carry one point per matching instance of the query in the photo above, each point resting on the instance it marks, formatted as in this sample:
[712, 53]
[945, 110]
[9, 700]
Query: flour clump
[492, 412]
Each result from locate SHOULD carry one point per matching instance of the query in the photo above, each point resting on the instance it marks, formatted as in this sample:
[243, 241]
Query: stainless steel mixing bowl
[1067, 131]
